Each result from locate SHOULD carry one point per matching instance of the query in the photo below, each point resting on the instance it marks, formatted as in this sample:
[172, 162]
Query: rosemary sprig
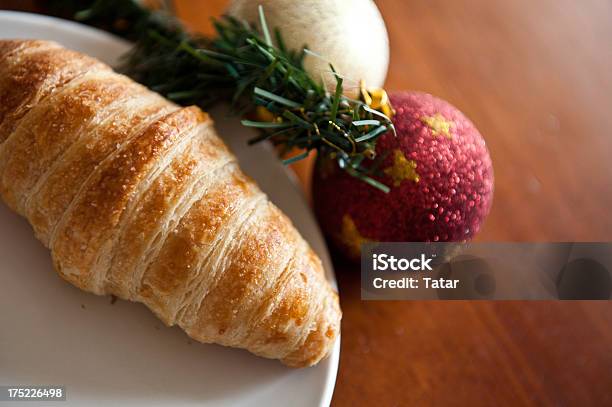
[242, 65]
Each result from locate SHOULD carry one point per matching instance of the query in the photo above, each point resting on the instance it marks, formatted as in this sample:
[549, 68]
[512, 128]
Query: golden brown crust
[32, 71]
[170, 196]
[139, 198]
[92, 218]
[177, 272]
[52, 126]
[264, 243]
[55, 191]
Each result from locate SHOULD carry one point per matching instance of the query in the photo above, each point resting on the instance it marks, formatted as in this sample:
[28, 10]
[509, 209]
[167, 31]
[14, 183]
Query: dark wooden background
[536, 78]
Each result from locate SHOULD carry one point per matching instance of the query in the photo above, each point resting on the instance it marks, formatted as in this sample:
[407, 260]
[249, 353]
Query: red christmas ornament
[439, 171]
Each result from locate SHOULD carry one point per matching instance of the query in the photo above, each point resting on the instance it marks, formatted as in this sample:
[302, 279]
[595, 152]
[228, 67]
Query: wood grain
[535, 77]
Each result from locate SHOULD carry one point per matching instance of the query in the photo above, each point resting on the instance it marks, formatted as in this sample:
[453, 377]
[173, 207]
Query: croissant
[138, 197]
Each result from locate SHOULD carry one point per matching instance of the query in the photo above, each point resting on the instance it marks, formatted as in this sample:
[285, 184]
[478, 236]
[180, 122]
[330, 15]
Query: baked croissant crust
[138, 197]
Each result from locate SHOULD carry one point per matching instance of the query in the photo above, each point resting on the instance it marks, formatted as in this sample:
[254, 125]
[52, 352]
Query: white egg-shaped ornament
[350, 34]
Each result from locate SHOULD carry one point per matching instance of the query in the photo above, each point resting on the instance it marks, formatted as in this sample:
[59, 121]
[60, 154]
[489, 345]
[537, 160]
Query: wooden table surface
[536, 79]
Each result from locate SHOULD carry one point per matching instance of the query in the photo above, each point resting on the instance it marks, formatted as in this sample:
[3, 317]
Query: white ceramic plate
[54, 334]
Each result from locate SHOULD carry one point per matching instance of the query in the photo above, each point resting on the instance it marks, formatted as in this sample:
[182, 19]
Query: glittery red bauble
[439, 171]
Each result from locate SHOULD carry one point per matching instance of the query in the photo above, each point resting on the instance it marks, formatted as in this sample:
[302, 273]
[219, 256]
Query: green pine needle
[244, 66]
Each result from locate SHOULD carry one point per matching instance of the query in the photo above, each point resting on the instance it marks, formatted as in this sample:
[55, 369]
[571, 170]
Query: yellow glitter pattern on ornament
[402, 169]
[351, 237]
[438, 125]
